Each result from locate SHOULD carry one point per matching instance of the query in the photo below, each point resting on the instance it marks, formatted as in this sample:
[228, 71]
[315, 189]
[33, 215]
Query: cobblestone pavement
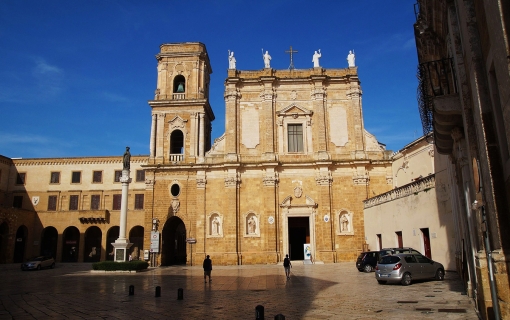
[327, 291]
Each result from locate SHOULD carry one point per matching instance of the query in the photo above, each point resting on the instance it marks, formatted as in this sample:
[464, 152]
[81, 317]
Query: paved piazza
[321, 291]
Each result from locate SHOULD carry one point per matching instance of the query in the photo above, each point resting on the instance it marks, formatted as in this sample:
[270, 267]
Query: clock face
[270, 220]
[326, 218]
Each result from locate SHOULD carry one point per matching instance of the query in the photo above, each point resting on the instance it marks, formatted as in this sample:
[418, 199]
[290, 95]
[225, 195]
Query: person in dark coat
[207, 268]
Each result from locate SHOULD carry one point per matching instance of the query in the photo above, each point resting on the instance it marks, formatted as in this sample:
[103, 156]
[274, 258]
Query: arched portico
[174, 242]
[4, 237]
[111, 236]
[92, 249]
[70, 244]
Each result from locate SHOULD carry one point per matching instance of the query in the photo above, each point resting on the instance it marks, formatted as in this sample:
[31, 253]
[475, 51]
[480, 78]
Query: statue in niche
[267, 59]
[315, 58]
[231, 60]
[215, 226]
[126, 159]
[252, 225]
[344, 223]
[350, 58]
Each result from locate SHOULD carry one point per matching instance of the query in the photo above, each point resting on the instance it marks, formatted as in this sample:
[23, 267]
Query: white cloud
[49, 79]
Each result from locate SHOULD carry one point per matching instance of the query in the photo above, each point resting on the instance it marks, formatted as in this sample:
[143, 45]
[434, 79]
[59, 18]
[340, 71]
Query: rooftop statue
[267, 59]
[231, 60]
[351, 58]
[315, 58]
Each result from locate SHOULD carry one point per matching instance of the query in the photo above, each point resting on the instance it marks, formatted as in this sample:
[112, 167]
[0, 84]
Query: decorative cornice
[77, 161]
[232, 181]
[360, 179]
[423, 184]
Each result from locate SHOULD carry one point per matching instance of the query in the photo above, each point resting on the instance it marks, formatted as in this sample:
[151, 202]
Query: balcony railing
[435, 78]
[176, 157]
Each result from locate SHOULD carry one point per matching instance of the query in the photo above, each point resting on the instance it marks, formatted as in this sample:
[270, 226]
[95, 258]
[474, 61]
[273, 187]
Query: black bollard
[180, 294]
[131, 290]
[158, 291]
[279, 317]
[259, 312]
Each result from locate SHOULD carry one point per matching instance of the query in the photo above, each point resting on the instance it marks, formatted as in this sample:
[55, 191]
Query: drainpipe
[488, 252]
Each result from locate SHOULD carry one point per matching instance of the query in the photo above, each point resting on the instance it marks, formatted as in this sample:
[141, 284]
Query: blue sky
[75, 76]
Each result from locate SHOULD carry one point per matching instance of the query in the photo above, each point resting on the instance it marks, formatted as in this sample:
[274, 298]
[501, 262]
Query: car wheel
[360, 270]
[367, 268]
[439, 275]
[406, 279]
[52, 265]
[39, 267]
[381, 282]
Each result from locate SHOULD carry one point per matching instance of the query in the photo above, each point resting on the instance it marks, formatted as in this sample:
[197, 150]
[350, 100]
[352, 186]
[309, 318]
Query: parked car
[368, 260]
[38, 263]
[406, 267]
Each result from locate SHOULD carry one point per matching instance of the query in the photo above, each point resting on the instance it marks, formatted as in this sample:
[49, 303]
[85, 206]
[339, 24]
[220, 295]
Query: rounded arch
[4, 236]
[92, 249]
[111, 236]
[174, 242]
[177, 142]
[136, 238]
[20, 244]
[70, 244]
[179, 84]
[49, 240]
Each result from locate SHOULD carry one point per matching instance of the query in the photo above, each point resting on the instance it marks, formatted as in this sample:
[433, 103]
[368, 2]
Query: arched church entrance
[174, 242]
[20, 244]
[92, 250]
[299, 234]
[4, 232]
[111, 236]
[71, 244]
[49, 239]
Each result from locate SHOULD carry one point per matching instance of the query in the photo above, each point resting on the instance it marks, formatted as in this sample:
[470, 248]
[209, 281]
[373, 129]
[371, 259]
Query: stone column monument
[122, 243]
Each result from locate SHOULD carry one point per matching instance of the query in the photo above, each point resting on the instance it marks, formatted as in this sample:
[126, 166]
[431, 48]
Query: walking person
[287, 265]
[207, 268]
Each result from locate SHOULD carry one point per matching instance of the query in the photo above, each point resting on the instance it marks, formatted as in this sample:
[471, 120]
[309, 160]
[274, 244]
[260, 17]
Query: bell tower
[181, 113]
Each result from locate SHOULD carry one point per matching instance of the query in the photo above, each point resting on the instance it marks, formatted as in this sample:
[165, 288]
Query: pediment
[294, 109]
[177, 122]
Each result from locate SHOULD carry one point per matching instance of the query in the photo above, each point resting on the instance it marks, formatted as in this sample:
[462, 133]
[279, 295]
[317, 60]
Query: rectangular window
[76, 177]
[55, 177]
[138, 201]
[52, 203]
[20, 179]
[118, 174]
[140, 175]
[95, 202]
[295, 137]
[97, 176]
[116, 201]
[73, 202]
[17, 202]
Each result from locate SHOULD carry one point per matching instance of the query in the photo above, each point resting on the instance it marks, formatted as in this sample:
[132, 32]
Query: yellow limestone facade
[292, 168]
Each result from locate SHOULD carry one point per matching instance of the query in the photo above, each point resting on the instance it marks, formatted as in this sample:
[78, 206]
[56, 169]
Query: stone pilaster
[318, 97]
[232, 96]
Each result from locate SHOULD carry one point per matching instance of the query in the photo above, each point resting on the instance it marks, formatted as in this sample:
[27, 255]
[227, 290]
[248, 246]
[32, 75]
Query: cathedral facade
[290, 171]
[288, 176]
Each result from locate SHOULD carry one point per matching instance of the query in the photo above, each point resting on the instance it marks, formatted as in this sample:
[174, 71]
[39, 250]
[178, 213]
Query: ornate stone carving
[298, 192]
[270, 180]
[324, 179]
[318, 93]
[149, 183]
[201, 182]
[293, 95]
[252, 224]
[176, 205]
[344, 225]
[232, 181]
[177, 123]
[267, 95]
[360, 179]
[389, 180]
[232, 94]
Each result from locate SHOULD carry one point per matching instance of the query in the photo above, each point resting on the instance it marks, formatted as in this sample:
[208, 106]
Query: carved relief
[360, 179]
[176, 205]
[232, 181]
[324, 179]
[270, 179]
[201, 182]
[298, 192]
[177, 123]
